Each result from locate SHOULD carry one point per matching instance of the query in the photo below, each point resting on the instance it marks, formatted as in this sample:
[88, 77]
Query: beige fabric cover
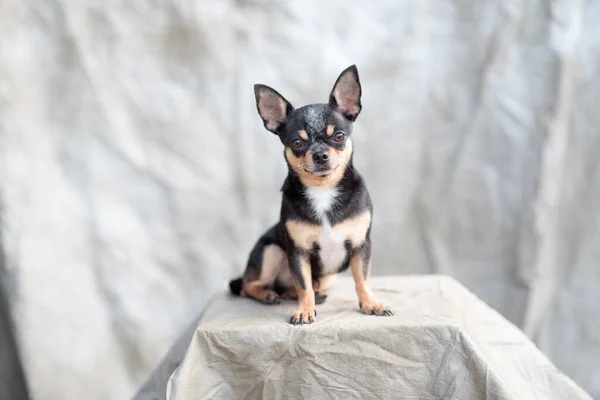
[442, 343]
[136, 175]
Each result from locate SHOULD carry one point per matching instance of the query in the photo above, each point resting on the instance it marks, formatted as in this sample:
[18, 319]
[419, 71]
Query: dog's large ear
[272, 107]
[345, 96]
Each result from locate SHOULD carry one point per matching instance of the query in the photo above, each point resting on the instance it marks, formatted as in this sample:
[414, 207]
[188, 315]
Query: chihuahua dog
[325, 220]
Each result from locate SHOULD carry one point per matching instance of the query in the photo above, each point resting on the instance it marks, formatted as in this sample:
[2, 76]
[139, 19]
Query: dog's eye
[296, 143]
[339, 136]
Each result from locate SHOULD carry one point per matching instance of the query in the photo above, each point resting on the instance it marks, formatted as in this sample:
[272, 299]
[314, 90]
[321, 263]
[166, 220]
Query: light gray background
[135, 174]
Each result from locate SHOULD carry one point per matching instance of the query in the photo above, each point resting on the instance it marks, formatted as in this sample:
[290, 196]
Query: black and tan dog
[326, 211]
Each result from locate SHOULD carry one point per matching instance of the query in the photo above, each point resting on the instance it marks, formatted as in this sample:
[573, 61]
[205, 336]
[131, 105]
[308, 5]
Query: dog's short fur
[325, 221]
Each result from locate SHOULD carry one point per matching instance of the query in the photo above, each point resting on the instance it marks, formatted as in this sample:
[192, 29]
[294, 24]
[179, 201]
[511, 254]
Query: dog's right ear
[272, 107]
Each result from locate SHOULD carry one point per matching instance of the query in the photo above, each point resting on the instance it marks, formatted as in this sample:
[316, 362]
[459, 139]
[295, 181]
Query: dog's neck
[322, 203]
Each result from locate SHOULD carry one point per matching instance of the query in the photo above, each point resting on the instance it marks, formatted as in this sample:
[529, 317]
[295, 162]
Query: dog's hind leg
[266, 262]
[321, 286]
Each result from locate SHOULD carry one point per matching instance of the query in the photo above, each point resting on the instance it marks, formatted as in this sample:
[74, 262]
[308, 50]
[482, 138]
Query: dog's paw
[320, 298]
[303, 316]
[374, 308]
[270, 297]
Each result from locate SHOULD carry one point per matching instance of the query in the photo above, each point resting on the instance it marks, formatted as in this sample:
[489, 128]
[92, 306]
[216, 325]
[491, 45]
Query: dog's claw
[315, 313]
[374, 308]
[271, 300]
[304, 318]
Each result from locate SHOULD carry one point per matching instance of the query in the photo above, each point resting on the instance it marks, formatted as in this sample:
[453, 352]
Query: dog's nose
[321, 157]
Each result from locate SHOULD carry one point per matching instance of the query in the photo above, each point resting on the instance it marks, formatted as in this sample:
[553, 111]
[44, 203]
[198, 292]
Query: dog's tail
[236, 286]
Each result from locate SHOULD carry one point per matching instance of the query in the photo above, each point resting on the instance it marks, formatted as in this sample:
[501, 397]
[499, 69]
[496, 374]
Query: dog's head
[317, 137]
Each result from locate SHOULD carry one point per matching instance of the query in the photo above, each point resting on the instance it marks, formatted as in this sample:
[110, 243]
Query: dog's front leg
[300, 267]
[360, 264]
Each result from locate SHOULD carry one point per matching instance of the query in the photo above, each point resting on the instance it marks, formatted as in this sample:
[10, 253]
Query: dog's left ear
[345, 96]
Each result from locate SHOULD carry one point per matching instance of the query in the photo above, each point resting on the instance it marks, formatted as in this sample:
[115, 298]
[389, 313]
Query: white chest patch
[321, 201]
[332, 249]
[331, 241]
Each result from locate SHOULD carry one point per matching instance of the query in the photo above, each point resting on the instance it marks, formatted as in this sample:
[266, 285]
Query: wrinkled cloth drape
[441, 343]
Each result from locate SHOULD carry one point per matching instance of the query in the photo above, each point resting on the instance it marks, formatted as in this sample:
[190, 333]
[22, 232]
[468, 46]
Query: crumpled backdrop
[136, 175]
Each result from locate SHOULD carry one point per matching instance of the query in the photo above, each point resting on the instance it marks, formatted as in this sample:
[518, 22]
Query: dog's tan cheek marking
[345, 153]
[303, 134]
[308, 162]
[341, 157]
[299, 163]
[356, 227]
[330, 129]
[295, 162]
[289, 155]
[338, 155]
[304, 235]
